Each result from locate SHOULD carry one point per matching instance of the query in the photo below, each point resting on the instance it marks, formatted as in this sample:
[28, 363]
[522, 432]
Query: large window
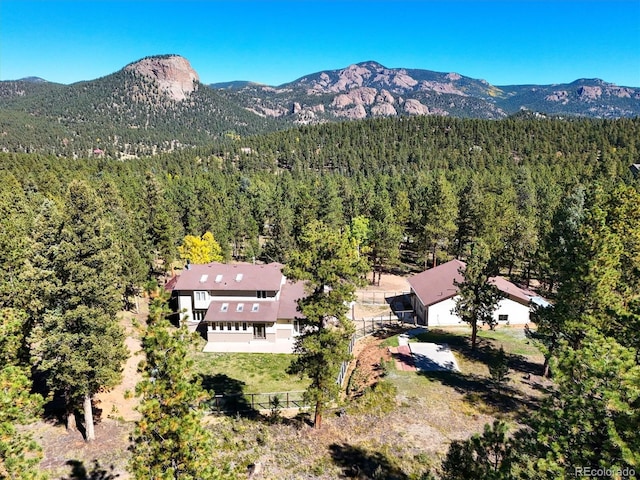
[198, 315]
[200, 296]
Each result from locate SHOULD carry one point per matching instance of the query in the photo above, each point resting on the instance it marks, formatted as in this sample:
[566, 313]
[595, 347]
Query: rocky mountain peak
[172, 73]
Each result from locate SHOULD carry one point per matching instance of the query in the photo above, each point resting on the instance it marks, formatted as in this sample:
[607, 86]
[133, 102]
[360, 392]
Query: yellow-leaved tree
[203, 249]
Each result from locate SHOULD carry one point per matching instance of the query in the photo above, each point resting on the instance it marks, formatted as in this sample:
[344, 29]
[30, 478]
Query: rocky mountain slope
[370, 89]
[155, 104]
[158, 104]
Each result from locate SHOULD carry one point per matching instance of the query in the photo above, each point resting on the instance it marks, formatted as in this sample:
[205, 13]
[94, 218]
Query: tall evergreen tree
[19, 454]
[170, 441]
[439, 215]
[329, 263]
[477, 297]
[80, 345]
[592, 418]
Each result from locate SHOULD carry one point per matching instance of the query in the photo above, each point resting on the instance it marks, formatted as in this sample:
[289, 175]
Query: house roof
[289, 295]
[229, 277]
[242, 311]
[437, 284]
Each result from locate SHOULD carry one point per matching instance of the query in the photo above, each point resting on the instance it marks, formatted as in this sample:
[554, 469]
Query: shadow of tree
[227, 395]
[482, 393]
[79, 472]
[484, 352]
[359, 463]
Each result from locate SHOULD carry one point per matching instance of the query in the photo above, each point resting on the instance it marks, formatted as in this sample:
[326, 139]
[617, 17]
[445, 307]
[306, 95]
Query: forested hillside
[122, 114]
[553, 201]
[497, 175]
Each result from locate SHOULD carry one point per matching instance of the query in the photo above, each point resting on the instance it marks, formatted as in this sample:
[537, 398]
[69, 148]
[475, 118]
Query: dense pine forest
[553, 201]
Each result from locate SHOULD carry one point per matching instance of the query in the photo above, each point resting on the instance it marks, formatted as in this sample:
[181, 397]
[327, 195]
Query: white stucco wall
[440, 314]
[518, 313]
[184, 307]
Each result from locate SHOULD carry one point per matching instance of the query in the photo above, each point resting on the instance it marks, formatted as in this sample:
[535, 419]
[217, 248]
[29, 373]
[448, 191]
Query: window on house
[296, 326]
[240, 307]
[229, 326]
[244, 326]
[261, 294]
[200, 296]
[224, 307]
[198, 315]
[237, 327]
[254, 307]
[503, 318]
[259, 331]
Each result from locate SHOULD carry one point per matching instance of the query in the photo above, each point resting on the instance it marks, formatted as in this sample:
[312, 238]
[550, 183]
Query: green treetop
[328, 261]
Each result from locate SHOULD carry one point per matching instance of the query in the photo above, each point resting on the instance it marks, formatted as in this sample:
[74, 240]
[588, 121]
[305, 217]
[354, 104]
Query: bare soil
[66, 454]
[428, 413]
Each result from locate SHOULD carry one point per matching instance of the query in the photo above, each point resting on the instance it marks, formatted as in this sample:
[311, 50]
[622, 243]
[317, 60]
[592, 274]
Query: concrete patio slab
[433, 357]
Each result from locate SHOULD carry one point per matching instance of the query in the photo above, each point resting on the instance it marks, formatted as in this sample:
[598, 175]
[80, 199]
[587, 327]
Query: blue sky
[273, 42]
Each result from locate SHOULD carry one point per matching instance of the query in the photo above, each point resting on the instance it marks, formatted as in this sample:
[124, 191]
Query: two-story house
[239, 307]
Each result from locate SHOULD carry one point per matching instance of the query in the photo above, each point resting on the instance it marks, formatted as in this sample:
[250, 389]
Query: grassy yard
[246, 372]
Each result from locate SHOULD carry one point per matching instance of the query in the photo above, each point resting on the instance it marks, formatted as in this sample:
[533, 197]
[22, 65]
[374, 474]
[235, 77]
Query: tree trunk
[317, 421]
[88, 419]
[545, 367]
[435, 261]
[474, 334]
[71, 420]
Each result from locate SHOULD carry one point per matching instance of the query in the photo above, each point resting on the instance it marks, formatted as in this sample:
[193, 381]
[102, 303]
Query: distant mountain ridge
[369, 89]
[158, 104]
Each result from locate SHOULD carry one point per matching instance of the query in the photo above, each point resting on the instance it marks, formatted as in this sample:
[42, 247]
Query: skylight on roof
[218, 278]
[203, 278]
[255, 307]
[224, 307]
[240, 307]
[238, 277]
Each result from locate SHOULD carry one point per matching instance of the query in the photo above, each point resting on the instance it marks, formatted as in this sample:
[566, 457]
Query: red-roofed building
[239, 307]
[433, 296]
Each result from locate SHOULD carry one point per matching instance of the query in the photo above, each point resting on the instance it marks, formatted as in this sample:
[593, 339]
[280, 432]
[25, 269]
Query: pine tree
[80, 345]
[438, 217]
[477, 297]
[328, 261]
[170, 441]
[488, 456]
[592, 417]
[19, 454]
